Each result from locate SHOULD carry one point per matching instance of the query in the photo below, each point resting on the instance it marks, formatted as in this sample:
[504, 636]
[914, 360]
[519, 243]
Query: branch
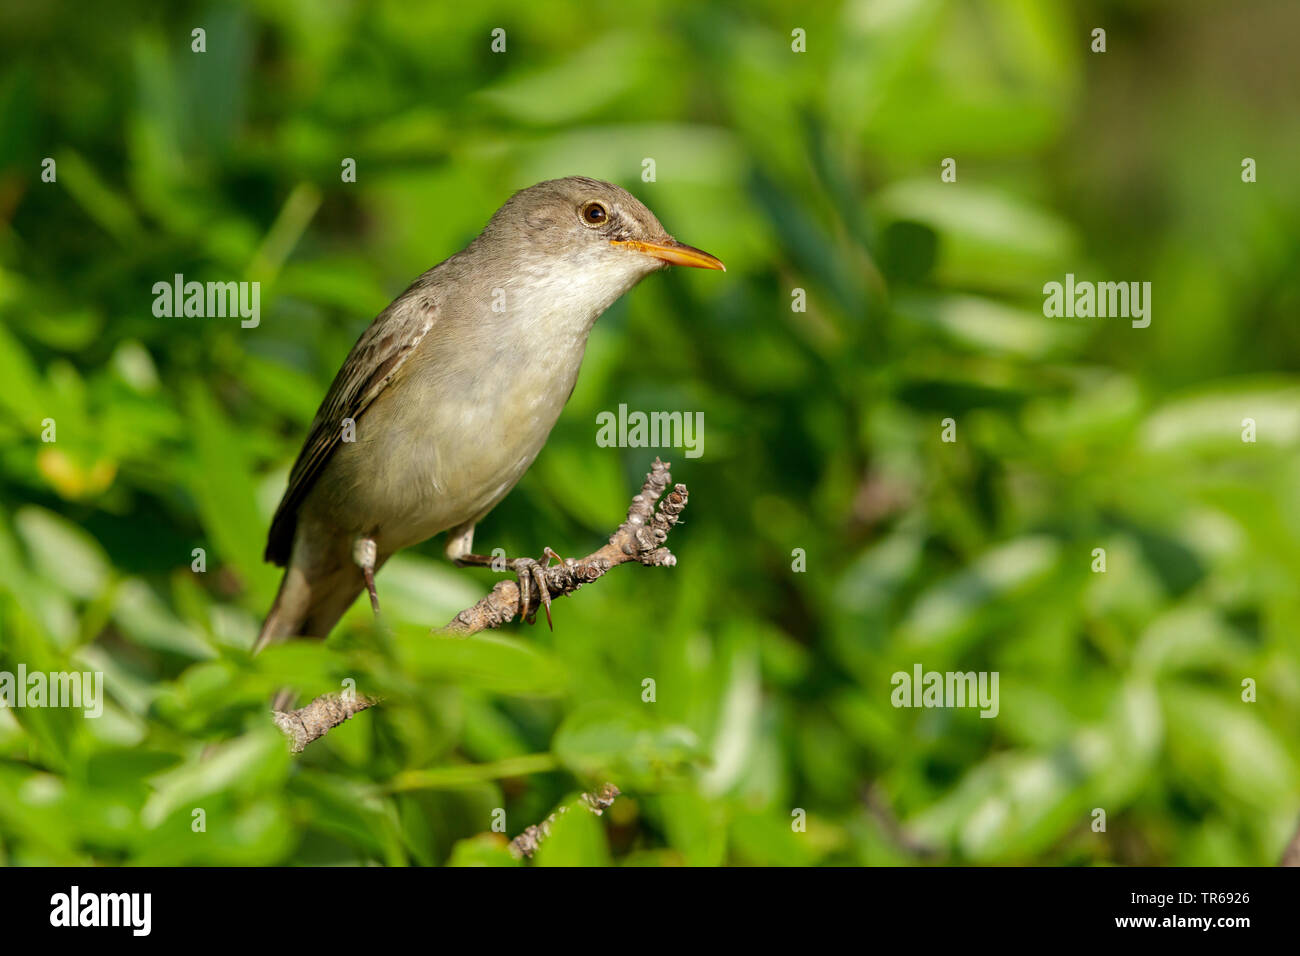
[640, 538]
[597, 801]
[318, 718]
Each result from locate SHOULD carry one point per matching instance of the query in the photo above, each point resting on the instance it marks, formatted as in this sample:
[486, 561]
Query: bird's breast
[448, 440]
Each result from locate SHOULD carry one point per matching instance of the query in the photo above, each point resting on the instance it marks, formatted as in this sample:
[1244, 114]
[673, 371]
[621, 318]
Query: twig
[640, 538]
[318, 718]
[597, 801]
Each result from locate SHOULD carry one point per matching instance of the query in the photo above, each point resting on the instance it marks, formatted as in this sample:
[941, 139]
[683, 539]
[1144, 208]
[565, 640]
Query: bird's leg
[364, 553]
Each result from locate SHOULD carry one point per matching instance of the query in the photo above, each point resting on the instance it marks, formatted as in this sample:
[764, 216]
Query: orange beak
[673, 252]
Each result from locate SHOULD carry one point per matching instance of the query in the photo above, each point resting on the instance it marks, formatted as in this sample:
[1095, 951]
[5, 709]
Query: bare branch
[318, 718]
[640, 538]
[597, 801]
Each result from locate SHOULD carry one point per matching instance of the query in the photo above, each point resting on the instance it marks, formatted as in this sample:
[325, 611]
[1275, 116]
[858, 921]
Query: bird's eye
[593, 214]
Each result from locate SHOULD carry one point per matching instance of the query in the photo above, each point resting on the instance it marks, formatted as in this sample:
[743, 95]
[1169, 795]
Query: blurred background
[1119, 691]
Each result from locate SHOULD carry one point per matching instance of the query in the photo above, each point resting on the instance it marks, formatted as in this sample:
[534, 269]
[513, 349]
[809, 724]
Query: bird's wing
[370, 366]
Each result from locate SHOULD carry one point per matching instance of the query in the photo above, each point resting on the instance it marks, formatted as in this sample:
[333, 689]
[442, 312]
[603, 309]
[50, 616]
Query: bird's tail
[309, 605]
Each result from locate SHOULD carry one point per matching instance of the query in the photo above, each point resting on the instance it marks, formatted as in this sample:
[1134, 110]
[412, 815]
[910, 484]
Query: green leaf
[609, 741]
[948, 610]
[576, 839]
[62, 552]
[486, 849]
[252, 762]
[494, 663]
[465, 775]
[1224, 745]
[221, 480]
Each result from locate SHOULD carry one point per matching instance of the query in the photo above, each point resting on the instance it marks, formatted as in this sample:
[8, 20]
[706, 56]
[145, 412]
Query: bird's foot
[529, 572]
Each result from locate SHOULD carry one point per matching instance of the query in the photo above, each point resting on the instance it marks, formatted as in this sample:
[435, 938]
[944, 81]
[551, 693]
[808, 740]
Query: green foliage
[1119, 690]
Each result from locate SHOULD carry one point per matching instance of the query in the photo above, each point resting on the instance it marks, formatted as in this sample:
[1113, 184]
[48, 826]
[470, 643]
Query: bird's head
[588, 231]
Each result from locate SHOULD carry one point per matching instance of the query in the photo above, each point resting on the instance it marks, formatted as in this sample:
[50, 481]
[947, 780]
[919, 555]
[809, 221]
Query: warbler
[447, 398]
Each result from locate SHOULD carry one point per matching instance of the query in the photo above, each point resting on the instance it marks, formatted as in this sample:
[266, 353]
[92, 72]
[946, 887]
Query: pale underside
[460, 415]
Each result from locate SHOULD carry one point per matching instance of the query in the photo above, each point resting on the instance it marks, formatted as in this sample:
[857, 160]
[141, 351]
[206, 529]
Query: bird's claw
[529, 573]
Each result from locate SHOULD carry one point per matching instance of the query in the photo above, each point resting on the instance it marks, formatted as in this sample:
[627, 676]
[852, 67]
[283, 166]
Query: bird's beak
[673, 252]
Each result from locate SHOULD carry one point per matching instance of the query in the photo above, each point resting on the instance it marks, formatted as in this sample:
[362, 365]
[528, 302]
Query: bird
[449, 395]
